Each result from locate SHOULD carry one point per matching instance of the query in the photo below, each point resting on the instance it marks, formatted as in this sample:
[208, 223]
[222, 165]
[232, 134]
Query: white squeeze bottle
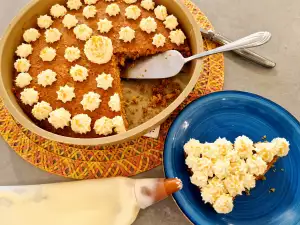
[113, 201]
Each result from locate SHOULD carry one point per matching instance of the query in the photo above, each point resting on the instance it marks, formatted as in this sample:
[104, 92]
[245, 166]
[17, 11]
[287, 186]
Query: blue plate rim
[167, 172]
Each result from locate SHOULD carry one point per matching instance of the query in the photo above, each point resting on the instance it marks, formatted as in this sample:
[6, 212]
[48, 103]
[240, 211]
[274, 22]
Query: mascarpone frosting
[232, 156]
[91, 101]
[159, 40]
[103, 126]
[115, 103]
[224, 146]
[65, 94]
[90, 2]
[249, 181]
[104, 81]
[72, 54]
[47, 54]
[89, 11]
[210, 150]
[199, 179]
[161, 12]
[44, 21]
[74, 4]
[41, 110]
[234, 185]
[81, 123]
[79, 73]
[52, 35]
[31, 35]
[148, 4]
[24, 50]
[132, 12]
[193, 148]
[221, 168]
[148, 25]
[70, 21]
[58, 11]
[171, 22]
[29, 96]
[177, 37]
[223, 204]
[46, 78]
[22, 65]
[83, 32]
[282, 146]
[23, 79]
[213, 191]
[99, 49]
[104, 26]
[200, 164]
[130, 1]
[118, 123]
[256, 165]
[113, 9]
[126, 34]
[238, 167]
[266, 151]
[244, 146]
[59, 118]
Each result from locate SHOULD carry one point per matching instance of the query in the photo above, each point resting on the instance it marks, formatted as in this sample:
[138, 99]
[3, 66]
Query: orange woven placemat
[127, 159]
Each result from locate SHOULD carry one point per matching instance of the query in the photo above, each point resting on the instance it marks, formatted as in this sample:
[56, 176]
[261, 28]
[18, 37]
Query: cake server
[245, 53]
[170, 63]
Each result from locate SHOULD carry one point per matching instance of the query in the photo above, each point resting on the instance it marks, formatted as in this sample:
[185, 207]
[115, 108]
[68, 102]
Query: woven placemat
[127, 159]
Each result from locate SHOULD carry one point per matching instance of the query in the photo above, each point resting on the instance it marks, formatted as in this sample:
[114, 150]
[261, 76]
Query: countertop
[233, 18]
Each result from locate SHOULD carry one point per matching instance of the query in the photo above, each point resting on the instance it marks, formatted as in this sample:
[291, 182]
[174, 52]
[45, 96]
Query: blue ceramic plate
[231, 114]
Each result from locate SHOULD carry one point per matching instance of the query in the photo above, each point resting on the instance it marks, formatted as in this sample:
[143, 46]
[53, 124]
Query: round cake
[68, 67]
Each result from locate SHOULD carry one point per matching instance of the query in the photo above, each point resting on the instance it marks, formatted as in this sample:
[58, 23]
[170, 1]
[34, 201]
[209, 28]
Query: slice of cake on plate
[223, 170]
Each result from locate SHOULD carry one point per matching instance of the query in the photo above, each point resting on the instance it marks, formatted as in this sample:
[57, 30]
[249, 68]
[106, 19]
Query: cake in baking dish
[67, 76]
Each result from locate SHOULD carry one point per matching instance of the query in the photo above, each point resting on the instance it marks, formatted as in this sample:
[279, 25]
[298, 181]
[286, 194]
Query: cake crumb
[161, 96]
[247, 192]
[272, 190]
[263, 178]
[134, 100]
[145, 111]
[142, 89]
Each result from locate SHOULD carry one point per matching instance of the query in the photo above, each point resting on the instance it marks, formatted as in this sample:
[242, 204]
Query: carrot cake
[223, 170]
[67, 76]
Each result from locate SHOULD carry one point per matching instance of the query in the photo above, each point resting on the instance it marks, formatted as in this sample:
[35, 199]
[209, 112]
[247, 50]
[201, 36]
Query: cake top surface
[70, 59]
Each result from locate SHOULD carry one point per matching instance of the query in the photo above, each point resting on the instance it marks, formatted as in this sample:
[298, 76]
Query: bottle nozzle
[150, 191]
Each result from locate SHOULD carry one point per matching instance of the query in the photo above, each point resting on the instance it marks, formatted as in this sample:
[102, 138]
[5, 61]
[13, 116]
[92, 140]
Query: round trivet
[126, 159]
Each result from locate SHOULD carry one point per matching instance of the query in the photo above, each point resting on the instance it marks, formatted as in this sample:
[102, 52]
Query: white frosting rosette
[41, 110]
[99, 49]
[81, 123]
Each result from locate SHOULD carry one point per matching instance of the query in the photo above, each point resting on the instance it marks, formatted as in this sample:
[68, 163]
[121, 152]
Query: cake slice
[223, 170]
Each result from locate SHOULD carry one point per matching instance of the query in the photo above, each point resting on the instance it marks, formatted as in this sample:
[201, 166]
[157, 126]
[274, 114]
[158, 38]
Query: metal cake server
[170, 63]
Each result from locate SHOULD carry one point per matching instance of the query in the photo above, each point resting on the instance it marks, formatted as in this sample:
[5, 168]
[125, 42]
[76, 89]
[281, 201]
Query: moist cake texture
[67, 76]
